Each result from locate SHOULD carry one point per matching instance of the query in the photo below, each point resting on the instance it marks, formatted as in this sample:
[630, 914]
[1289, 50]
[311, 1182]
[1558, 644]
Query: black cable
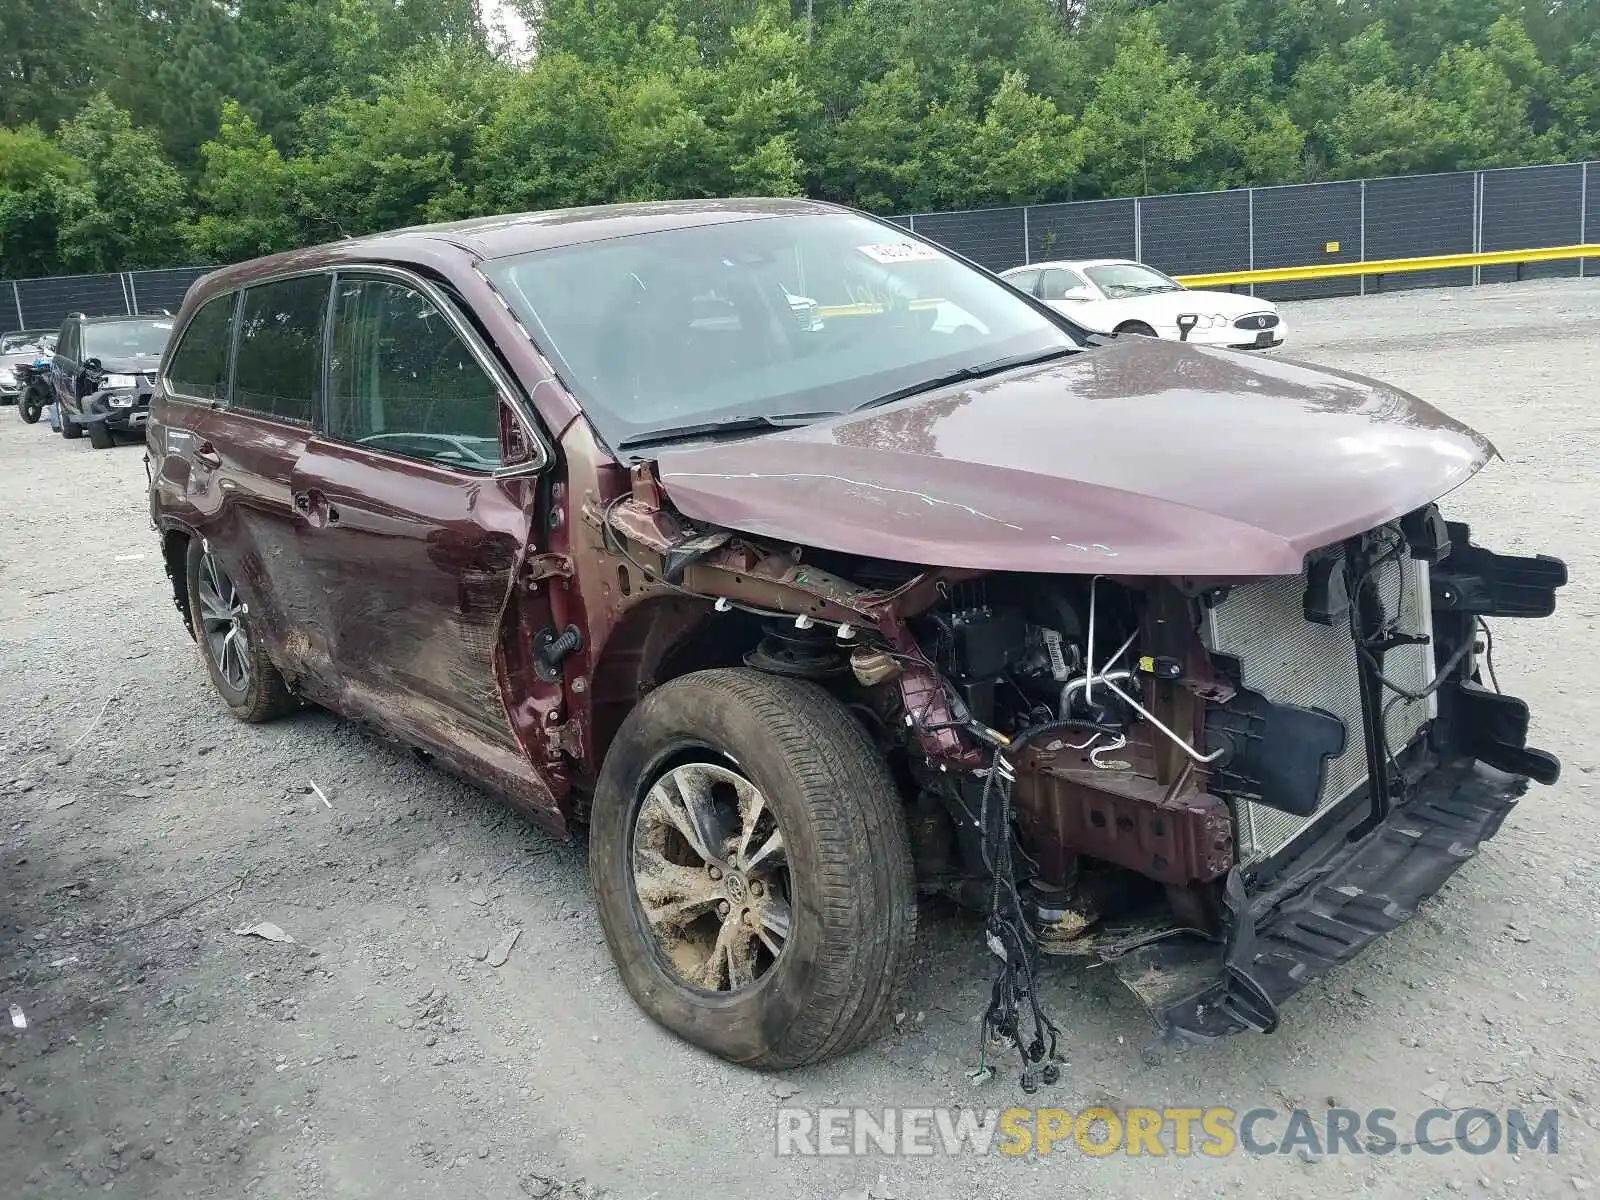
[1010, 934]
[1488, 653]
[1362, 579]
[1363, 642]
[1438, 680]
[1411, 697]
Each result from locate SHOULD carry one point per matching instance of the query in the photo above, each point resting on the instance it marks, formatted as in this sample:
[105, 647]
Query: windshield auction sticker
[890, 253]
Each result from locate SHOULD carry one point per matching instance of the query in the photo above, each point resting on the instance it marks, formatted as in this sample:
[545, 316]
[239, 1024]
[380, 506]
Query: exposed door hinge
[546, 566]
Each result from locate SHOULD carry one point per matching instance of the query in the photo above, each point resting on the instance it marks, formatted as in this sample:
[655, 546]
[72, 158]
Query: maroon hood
[1141, 458]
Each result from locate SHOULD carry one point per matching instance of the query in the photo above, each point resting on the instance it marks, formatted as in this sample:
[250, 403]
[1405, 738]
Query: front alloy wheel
[752, 868]
[711, 874]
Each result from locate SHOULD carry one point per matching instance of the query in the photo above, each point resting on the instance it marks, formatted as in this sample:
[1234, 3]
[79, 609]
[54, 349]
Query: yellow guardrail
[1375, 266]
[1388, 266]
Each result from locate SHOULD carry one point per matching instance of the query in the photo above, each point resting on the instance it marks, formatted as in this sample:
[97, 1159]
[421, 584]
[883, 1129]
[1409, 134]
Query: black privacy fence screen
[1305, 225]
[45, 303]
[1198, 233]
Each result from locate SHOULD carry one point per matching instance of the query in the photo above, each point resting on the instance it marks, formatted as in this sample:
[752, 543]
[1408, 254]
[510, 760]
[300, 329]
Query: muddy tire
[30, 407]
[788, 751]
[69, 429]
[235, 657]
[101, 437]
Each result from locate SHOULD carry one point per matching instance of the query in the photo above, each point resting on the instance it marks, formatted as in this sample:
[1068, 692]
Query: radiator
[1291, 660]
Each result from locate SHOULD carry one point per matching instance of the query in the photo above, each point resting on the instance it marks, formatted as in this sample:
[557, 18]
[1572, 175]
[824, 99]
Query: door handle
[206, 454]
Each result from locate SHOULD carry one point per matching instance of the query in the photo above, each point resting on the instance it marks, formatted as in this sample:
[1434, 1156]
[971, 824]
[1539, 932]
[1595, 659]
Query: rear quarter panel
[241, 507]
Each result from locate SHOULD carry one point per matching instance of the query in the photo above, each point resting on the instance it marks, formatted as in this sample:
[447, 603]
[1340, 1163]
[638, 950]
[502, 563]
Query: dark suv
[808, 565]
[104, 372]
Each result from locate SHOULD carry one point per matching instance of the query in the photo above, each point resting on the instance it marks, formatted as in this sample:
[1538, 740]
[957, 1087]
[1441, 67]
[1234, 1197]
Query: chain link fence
[1296, 225]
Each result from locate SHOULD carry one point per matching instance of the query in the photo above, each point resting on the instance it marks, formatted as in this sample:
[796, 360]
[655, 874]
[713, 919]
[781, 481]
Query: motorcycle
[37, 394]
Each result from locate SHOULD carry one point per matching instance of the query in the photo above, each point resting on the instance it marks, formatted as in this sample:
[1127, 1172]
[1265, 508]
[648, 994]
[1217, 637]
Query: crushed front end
[120, 402]
[1245, 783]
[1222, 787]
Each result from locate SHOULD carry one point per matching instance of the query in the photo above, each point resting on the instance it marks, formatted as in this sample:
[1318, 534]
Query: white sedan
[1115, 295]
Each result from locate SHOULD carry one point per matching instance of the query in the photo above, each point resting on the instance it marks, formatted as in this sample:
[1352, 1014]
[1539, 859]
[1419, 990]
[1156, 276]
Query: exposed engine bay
[1137, 767]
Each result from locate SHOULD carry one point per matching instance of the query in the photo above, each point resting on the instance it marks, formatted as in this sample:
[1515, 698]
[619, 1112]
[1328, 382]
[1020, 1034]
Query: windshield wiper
[977, 371]
[744, 423]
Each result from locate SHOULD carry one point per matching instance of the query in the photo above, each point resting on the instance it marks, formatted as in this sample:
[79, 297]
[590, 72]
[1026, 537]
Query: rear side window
[279, 360]
[199, 365]
[1058, 285]
[1024, 280]
[403, 381]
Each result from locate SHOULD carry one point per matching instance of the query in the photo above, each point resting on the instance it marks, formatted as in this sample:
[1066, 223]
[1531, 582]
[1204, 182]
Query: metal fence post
[1027, 252]
[1250, 229]
[16, 298]
[1477, 224]
[1583, 214]
[911, 222]
[1362, 243]
[1138, 230]
[133, 293]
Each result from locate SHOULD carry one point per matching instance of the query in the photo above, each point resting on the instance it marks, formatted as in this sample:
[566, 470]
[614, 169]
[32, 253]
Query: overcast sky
[500, 12]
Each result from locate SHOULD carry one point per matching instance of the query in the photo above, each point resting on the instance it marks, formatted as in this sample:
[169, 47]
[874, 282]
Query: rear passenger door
[411, 529]
[64, 366]
[241, 455]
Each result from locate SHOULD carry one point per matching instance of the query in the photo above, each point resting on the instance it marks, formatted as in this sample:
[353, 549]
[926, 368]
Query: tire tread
[862, 870]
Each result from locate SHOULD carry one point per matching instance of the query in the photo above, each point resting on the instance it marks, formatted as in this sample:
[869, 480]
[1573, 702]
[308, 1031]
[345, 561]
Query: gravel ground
[380, 1055]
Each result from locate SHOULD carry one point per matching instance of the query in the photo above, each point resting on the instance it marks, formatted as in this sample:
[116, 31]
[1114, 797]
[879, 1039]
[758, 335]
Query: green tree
[403, 156]
[316, 50]
[1025, 150]
[305, 119]
[206, 62]
[49, 52]
[663, 148]
[1255, 139]
[1144, 126]
[872, 158]
[42, 189]
[136, 198]
[766, 116]
[246, 194]
[548, 142]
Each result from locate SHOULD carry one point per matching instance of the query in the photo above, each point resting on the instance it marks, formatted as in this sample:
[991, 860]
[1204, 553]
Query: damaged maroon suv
[810, 566]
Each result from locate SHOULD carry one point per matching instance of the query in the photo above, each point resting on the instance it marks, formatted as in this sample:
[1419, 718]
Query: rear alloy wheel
[240, 670]
[752, 868]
